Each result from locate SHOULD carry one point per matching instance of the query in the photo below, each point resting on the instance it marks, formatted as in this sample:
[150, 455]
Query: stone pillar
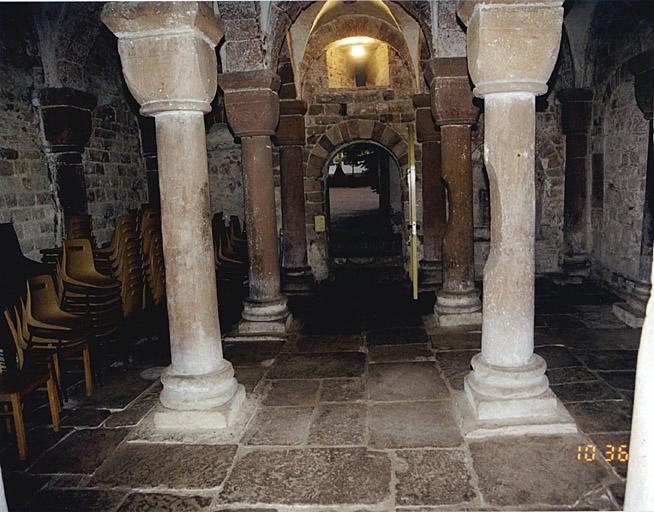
[632, 310]
[433, 194]
[169, 63]
[507, 392]
[639, 493]
[290, 137]
[3, 500]
[576, 117]
[66, 125]
[457, 302]
[252, 108]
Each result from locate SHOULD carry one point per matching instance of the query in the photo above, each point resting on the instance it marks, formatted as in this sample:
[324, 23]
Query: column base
[221, 417]
[298, 281]
[431, 275]
[457, 308]
[270, 320]
[500, 401]
[198, 392]
[576, 270]
[632, 310]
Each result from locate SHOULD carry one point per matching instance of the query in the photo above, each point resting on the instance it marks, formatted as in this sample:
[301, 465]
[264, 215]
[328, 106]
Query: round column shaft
[293, 209]
[507, 393]
[199, 388]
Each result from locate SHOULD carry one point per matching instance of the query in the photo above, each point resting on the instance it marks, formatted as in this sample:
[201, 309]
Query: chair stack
[152, 251]
[86, 292]
[230, 249]
[77, 226]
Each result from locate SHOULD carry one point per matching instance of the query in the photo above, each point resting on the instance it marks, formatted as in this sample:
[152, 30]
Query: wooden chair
[15, 386]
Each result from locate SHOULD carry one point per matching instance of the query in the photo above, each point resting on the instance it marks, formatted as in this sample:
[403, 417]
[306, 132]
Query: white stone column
[169, 62]
[512, 49]
[639, 494]
[3, 500]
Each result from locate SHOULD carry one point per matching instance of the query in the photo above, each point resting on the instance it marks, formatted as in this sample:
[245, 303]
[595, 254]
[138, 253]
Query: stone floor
[354, 413]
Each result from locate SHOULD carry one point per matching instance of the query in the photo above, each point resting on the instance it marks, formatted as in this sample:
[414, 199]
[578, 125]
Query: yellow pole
[413, 214]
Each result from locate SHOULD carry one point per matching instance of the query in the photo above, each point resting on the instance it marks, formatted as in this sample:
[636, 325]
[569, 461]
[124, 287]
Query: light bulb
[358, 50]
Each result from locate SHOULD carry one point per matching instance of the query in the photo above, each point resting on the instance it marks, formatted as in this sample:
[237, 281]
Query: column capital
[512, 44]
[167, 53]
[251, 101]
[290, 130]
[642, 67]
[576, 110]
[426, 130]
[451, 93]
[66, 116]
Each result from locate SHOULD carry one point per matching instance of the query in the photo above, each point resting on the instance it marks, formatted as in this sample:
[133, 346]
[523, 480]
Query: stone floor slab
[250, 353]
[84, 417]
[625, 380]
[455, 339]
[81, 452]
[455, 365]
[119, 388]
[141, 502]
[614, 448]
[585, 391]
[21, 487]
[400, 353]
[413, 424]
[133, 414]
[318, 366]
[342, 390]
[338, 425]
[609, 359]
[39, 440]
[397, 336]
[249, 376]
[316, 476]
[169, 466]
[557, 357]
[569, 375]
[68, 500]
[433, 477]
[405, 381]
[531, 471]
[279, 426]
[333, 343]
[292, 392]
[609, 416]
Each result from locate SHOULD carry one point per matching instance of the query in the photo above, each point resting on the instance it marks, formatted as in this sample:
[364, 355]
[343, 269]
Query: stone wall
[26, 195]
[225, 173]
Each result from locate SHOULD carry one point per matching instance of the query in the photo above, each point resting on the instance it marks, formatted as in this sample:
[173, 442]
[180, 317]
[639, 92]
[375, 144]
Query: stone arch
[282, 14]
[356, 130]
[350, 26]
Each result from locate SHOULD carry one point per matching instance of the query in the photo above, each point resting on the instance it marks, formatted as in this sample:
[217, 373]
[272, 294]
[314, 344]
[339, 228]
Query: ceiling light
[358, 50]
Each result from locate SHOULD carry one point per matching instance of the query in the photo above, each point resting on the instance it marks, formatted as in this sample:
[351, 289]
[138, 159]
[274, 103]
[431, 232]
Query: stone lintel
[251, 102]
[135, 19]
[576, 110]
[167, 51]
[502, 59]
[451, 92]
[64, 96]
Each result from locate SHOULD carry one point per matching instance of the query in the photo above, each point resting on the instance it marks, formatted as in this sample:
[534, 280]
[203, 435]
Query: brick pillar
[290, 137]
[66, 126]
[507, 393]
[252, 108]
[632, 310]
[167, 51]
[576, 116]
[433, 194]
[457, 302]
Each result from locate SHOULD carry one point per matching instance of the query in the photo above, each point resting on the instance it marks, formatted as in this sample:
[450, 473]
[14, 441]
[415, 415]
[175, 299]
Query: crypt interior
[327, 256]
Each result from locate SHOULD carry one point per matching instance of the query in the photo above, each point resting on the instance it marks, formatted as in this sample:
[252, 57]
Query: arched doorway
[364, 206]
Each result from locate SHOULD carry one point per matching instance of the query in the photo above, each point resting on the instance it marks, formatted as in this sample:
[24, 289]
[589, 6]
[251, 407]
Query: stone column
[169, 63]
[639, 493]
[3, 500]
[632, 310]
[507, 392]
[66, 126]
[290, 137]
[576, 117]
[252, 108]
[457, 302]
[433, 194]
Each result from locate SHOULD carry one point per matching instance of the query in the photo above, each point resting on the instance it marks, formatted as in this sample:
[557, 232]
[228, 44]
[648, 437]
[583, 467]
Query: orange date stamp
[610, 452]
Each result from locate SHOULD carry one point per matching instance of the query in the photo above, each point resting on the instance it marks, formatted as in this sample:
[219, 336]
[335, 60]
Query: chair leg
[88, 374]
[17, 409]
[53, 398]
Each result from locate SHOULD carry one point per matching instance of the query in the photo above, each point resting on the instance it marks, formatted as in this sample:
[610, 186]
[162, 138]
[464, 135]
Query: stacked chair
[77, 226]
[152, 252]
[230, 249]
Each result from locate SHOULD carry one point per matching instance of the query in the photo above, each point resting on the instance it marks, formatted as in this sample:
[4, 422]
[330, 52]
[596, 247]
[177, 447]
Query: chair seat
[22, 382]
